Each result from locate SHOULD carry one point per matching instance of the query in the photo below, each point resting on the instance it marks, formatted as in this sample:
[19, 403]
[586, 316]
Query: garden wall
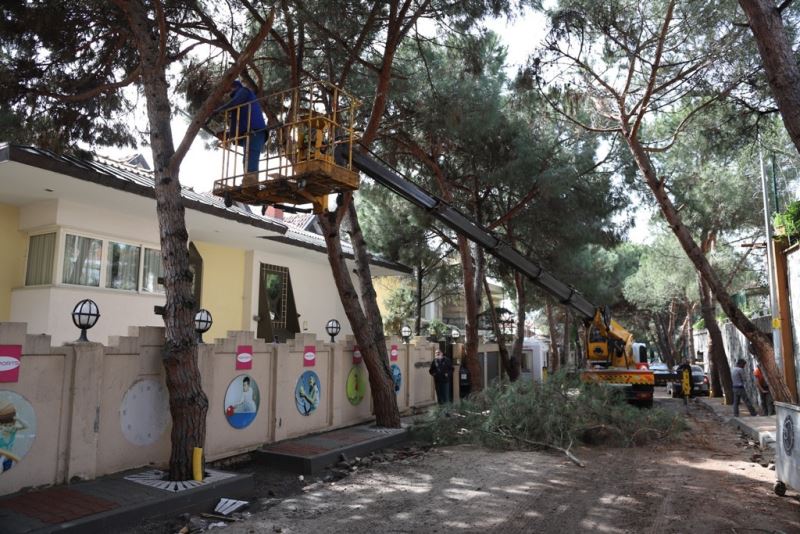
[84, 410]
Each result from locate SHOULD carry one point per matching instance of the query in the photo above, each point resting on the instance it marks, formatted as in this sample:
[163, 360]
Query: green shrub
[558, 412]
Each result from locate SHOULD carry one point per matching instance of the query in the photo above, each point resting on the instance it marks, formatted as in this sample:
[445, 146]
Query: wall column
[84, 418]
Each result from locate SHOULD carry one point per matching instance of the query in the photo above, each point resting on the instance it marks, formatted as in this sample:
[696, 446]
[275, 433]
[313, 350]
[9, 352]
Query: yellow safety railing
[308, 122]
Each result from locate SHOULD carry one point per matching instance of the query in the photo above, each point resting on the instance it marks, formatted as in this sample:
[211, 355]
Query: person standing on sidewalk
[442, 372]
[763, 391]
[739, 393]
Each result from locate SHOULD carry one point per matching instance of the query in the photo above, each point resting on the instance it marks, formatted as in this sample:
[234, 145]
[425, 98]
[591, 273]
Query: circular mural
[307, 392]
[241, 401]
[144, 413]
[397, 377]
[17, 428]
[356, 385]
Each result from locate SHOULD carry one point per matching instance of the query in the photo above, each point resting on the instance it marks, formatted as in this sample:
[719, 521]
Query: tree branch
[216, 95]
[653, 71]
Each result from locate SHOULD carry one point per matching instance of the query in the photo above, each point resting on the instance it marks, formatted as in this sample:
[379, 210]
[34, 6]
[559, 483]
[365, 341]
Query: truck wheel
[779, 489]
[228, 200]
[646, 404]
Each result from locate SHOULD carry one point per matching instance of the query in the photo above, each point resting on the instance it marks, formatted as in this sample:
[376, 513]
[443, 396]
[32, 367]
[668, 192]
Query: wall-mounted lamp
[405, 333]
[333, 327]
[85, 315]
[455, 334]
[202, 323]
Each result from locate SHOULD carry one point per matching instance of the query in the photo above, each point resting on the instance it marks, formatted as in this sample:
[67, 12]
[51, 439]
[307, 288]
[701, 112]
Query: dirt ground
[709, 480]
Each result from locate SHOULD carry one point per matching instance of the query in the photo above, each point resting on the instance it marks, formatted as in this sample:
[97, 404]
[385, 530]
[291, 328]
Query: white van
[534, 358]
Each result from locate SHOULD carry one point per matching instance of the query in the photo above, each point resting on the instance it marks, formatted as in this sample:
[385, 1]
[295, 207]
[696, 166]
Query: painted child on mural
[10, 424]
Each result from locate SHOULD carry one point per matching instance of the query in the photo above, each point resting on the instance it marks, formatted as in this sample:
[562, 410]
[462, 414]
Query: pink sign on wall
[309, 356]
[356, 355]
[393, 353]
[9, 362]
[244, 357]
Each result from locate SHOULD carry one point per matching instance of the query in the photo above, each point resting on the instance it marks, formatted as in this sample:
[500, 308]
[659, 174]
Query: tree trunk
[188, 403]
[551, 325]
[505, 359]
[683, 339]
[472, 305]
[690, 333]
[565, 347]
[779, 60]
[663, 336]
[373, 349]
[418, 300]
[516, 351]
[720, 371]
[761, 342]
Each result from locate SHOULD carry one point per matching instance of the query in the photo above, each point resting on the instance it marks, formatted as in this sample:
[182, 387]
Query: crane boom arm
[461, 224]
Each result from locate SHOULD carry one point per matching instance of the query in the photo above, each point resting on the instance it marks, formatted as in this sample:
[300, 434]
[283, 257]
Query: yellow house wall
[12, 260]
[223, 287]
[384, 286]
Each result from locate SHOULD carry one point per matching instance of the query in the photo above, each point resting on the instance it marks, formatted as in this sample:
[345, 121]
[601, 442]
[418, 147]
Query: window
[82, 260]
[91, 261]
[122, 269]
[153, 270]
[41, 250]
[277, 312]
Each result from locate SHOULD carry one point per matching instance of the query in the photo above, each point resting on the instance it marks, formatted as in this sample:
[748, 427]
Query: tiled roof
[119, 175]
[124, 176]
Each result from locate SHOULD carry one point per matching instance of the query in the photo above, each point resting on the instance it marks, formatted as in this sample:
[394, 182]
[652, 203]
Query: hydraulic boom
[608, 345]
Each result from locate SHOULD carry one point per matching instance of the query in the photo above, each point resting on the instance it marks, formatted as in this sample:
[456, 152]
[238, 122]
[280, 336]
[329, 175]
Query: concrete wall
[99, 409]
[736, 347]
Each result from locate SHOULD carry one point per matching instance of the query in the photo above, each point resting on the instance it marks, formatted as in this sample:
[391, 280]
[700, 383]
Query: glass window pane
[152, 271]
[276, 296]
[82, 257]
[41, 250]
[122, 271]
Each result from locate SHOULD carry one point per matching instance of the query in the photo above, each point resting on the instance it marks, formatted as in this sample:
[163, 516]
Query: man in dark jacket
[442, 372]
[247, 127]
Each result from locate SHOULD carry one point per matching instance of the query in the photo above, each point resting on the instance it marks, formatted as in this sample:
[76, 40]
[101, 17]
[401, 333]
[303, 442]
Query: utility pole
[773, 295]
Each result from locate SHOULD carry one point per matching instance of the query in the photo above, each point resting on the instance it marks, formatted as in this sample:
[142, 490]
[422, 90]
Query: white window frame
[139, 267]
[58, 246]
[141, 270]
[58, 268]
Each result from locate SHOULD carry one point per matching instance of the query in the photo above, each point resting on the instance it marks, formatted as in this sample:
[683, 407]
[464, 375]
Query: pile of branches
[554, 414]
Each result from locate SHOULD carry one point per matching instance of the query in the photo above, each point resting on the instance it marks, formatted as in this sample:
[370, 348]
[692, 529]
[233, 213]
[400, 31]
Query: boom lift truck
[313, 155]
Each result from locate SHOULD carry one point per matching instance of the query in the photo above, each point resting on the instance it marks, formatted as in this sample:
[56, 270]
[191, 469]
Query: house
[73, 229]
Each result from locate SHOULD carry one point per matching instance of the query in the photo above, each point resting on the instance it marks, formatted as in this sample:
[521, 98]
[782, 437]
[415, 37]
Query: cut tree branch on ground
[541, 444]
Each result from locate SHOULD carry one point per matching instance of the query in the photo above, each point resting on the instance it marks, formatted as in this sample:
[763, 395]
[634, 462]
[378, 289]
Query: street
[707, 481]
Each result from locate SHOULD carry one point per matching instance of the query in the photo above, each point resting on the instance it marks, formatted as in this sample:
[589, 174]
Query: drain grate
[155, 479]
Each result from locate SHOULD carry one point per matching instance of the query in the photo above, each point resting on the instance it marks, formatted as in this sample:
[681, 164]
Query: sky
[521, 35]
[202, 166]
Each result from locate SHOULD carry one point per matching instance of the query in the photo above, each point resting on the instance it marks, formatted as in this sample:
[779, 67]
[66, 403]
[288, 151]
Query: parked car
[661, 373]
[699, 384]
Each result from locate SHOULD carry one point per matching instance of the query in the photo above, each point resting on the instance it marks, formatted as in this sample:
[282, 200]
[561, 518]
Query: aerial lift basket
[296, 166]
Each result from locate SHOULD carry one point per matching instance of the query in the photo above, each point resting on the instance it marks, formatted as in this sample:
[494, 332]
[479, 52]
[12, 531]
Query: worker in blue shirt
[247, 127]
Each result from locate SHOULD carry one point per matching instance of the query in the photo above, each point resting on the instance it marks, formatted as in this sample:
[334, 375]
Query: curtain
[153, 269]
[122, 271]
[41, 249]
[82, 257]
